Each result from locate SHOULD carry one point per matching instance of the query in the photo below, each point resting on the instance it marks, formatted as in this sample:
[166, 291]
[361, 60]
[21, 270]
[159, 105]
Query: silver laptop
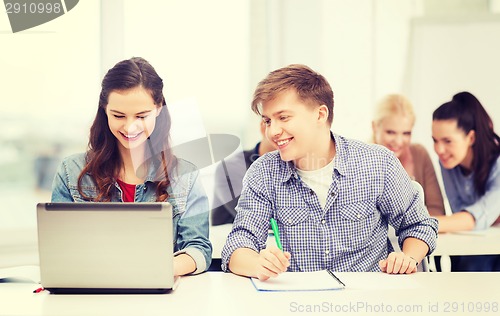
[106, 247]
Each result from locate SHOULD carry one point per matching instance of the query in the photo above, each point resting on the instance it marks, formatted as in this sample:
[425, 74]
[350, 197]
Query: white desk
[217, 293]
[466, 243]
[469, 243]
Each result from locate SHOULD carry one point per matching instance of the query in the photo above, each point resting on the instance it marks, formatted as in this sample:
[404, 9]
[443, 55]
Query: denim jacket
[186, 194]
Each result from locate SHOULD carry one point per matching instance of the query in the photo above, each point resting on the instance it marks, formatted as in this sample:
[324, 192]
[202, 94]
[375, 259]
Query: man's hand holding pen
[271, 262]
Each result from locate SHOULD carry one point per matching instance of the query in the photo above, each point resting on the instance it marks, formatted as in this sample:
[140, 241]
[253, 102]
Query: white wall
[347, 48]
[217, 58]
[46, 75]
[201, 49]
[450, 56]
[49, 87]
[361, 47]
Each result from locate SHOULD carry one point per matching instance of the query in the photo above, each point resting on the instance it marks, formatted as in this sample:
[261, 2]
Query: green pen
[276, 232]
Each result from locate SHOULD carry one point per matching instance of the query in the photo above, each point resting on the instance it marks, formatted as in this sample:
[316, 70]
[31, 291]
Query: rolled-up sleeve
[405, 208]
[193, 226]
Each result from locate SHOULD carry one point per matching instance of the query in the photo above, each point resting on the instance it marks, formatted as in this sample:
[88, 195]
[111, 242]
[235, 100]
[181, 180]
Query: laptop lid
[105, 247]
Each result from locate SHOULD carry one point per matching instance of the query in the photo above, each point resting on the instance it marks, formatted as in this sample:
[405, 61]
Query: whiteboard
[446, 57]
[449, 56]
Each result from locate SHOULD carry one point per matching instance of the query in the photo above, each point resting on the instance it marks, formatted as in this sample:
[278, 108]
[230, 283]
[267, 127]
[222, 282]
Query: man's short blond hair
[310, 86]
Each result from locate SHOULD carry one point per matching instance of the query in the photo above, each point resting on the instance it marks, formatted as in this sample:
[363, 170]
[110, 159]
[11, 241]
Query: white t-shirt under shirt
[319, 181]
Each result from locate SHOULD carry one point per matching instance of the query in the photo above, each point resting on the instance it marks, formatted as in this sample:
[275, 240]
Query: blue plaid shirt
[369, 190]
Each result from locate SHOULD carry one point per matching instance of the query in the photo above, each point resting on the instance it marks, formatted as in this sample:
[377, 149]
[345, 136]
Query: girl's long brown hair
[466, 109]
[103, 160]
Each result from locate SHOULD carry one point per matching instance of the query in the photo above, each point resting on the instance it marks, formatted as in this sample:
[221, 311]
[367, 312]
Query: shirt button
[358, 216]
[145, 188]
[332, 194]
[290, 221]
[327, 251]
[323, 221]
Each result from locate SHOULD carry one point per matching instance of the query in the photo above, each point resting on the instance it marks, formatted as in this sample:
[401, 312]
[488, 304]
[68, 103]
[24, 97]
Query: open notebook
[323, 280]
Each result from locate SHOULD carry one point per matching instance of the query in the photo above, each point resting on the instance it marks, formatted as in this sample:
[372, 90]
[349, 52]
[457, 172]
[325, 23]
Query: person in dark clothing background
[224, 213]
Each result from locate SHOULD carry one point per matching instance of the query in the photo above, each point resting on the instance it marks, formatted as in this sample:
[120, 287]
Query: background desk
[217, 293]
[469, 243]
[466, 244]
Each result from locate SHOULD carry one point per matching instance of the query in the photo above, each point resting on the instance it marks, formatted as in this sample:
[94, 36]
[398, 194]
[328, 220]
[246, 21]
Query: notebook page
[299, 281]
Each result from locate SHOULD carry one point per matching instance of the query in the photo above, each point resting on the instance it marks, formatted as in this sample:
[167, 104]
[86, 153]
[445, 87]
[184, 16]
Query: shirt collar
[155, 167]
[340, 163]
[341, 154]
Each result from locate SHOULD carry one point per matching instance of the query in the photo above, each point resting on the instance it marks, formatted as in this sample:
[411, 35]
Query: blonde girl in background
[392, 127]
